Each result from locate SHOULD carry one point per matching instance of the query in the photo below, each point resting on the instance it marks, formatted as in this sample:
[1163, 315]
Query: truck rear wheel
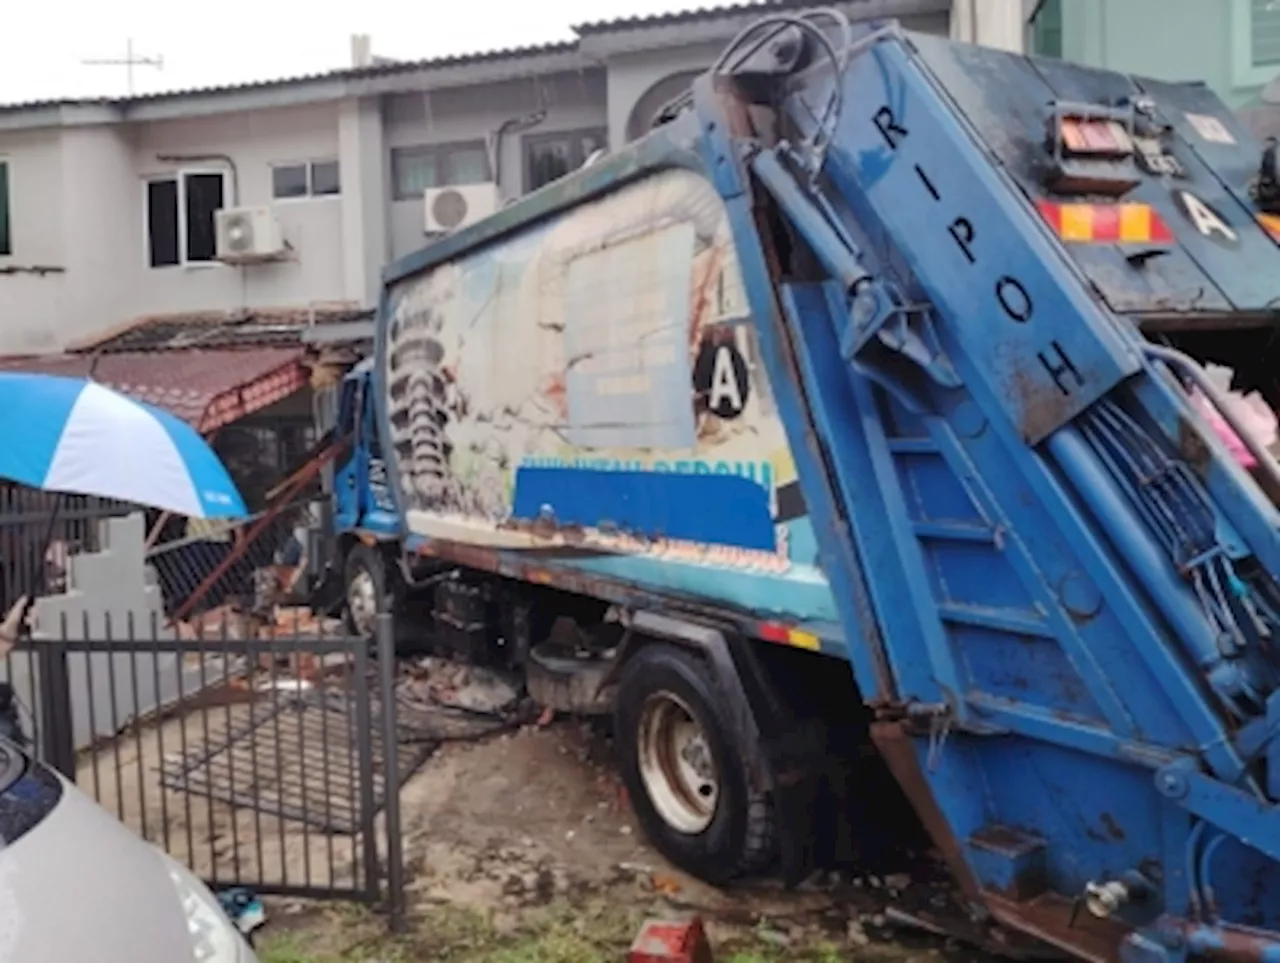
[684, 770]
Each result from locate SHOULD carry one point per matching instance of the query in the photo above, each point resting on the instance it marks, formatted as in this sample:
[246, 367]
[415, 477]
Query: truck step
[1009, 861]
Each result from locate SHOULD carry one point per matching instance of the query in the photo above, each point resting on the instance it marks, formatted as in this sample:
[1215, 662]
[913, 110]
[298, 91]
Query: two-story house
[1231, 45]
[109, 209]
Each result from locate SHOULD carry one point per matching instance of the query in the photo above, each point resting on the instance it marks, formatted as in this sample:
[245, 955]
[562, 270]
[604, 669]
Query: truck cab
[364, 514]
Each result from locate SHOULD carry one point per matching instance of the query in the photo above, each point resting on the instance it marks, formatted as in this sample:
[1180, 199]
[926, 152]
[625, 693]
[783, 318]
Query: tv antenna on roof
[129, 61]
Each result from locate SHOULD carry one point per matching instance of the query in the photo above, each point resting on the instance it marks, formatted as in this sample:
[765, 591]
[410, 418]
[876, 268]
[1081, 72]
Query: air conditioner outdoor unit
[249, 234]
[452, 208]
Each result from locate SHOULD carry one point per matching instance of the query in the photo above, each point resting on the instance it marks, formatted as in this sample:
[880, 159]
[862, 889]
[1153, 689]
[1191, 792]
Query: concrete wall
[111, 594]
[365, 226]
[33, 310]
[102, 216]
[1165, 39]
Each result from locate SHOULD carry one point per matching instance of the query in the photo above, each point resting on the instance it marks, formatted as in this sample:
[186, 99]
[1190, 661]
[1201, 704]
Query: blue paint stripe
[712, 509]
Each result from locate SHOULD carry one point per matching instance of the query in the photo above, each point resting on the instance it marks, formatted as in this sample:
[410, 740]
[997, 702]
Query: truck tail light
[1106, 138]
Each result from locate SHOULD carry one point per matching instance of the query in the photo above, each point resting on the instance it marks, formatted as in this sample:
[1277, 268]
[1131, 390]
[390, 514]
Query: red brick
[671, 941]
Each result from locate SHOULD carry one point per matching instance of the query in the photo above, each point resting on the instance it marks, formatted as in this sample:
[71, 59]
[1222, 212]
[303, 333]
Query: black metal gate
[259, 757]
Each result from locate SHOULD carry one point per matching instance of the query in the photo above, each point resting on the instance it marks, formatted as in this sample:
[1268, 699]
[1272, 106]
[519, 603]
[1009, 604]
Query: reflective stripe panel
[1106, 223]
[773, 632]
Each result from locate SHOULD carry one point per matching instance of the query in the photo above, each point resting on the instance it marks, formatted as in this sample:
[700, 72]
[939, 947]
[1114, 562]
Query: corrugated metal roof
[206, 388]
[217, 329]
[691, 15]
[345, 73]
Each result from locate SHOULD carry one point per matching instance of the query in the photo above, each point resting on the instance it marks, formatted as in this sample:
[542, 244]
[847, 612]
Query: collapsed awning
[207, 388]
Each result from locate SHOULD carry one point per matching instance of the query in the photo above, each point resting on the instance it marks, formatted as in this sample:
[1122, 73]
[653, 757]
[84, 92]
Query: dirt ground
[519, 844]
[522, 847]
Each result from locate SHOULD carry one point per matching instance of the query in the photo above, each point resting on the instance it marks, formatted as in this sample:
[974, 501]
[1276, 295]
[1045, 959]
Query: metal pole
[385, 635]
[366, 774]
[58, 738]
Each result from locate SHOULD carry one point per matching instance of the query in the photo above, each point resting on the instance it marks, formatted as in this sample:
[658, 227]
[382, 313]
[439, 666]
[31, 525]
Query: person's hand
[11, 628]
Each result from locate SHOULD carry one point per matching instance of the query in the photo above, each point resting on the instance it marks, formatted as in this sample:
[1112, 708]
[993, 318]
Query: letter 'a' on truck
[858, 421]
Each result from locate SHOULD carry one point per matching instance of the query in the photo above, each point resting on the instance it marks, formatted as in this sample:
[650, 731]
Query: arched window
[654, 99]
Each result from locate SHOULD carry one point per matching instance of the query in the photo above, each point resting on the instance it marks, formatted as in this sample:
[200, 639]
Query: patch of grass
[560, 933]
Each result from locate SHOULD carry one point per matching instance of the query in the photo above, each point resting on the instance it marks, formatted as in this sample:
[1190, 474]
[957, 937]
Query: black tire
[740, 838]
[365, 561]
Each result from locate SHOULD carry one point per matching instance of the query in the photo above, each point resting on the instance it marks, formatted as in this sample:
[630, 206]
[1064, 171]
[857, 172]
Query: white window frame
[310, 195]
[180, 176]
[1244, 73]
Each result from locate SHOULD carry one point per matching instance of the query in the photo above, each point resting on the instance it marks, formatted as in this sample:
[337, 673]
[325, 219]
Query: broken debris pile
[448, 701]
[231, 621]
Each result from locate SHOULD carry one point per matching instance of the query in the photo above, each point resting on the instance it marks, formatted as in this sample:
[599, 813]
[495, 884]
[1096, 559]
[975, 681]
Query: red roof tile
[206, 388]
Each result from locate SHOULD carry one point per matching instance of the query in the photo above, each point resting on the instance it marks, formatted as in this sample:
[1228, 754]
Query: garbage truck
[863, 408]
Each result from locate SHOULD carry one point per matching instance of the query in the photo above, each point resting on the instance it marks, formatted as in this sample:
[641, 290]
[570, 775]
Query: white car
[75, 884]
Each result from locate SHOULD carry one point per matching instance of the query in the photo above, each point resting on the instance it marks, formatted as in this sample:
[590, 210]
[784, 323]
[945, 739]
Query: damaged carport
[245, 382]
[257, 746]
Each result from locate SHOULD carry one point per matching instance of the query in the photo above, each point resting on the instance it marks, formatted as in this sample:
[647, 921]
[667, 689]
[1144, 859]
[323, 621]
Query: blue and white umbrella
[75, 436]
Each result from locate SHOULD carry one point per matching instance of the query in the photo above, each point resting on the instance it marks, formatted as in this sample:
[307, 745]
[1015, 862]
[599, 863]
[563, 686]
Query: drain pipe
[512, 125]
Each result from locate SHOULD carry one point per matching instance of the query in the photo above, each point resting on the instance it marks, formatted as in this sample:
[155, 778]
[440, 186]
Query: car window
[28, 792]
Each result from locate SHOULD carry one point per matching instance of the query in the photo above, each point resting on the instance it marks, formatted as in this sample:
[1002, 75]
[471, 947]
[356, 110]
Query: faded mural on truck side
[593, 382]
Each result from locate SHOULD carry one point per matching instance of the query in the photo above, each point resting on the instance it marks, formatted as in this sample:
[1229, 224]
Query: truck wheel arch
[755, 718]
[685, 767]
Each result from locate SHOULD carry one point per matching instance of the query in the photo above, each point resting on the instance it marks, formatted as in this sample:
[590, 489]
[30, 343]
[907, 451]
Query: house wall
[633, 74]
[1169, 40]
[77, 200]
[101, 218]
[570, 101]
[31, 304]
[78, 186]
[246, 145]
[365, 214]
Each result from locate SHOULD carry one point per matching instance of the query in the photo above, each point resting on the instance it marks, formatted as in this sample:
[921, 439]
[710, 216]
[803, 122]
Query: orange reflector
[1106, 223]
[1271, 224]
[773, 632]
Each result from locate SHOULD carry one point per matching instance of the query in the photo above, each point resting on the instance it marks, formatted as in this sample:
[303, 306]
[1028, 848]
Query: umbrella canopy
[75, 436]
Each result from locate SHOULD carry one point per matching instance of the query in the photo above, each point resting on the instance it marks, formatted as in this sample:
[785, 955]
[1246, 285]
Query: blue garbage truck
[860, 409]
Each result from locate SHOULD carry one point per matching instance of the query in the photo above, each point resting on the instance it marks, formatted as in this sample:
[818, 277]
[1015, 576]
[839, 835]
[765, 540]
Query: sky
[229, 41]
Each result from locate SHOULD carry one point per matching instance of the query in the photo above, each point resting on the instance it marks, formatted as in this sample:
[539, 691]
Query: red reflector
[772, 632]
[1095, 137]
